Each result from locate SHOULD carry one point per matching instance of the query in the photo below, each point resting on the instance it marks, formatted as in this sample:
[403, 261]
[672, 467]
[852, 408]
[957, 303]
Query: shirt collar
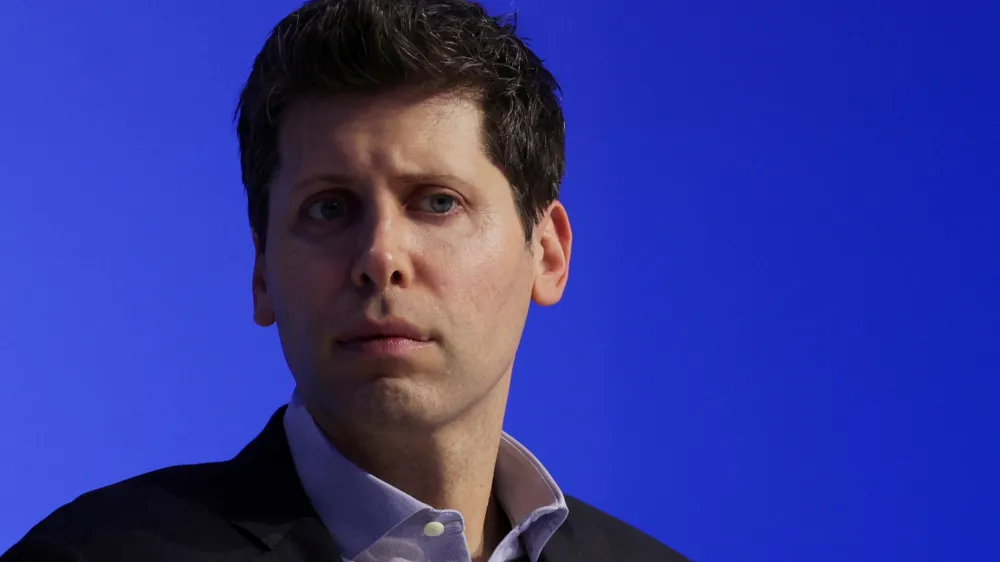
[358, 508]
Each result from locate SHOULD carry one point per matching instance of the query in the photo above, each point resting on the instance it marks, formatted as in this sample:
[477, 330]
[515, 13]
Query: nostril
[366, 279]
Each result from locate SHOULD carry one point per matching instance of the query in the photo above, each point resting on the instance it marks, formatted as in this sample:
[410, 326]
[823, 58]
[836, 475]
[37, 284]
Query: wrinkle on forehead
[396, 135]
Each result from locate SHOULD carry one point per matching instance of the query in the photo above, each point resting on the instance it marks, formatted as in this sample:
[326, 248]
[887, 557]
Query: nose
[381, 259]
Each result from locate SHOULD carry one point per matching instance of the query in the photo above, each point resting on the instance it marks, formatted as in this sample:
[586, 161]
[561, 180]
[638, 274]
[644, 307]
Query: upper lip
[385, 328]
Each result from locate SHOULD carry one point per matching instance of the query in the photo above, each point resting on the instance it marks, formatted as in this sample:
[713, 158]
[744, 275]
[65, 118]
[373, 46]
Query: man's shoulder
[148, 515]
[595, 529]
[136, 500]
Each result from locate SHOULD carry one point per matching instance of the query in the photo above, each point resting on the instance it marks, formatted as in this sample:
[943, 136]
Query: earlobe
[263, 311]
[553, 248]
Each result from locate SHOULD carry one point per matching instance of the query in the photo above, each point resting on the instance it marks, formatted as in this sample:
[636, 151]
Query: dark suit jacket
[253, 508]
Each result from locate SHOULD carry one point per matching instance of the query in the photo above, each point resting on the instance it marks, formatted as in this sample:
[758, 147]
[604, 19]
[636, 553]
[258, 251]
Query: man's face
[396, 267]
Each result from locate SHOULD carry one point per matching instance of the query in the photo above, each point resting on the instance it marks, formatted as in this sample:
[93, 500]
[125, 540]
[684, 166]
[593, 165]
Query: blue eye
[326, 210]
[439, 203]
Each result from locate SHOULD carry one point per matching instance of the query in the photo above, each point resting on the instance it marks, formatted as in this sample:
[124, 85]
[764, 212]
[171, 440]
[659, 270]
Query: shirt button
[434, 529]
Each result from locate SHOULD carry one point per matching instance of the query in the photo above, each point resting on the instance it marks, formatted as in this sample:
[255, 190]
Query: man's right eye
[326, 209]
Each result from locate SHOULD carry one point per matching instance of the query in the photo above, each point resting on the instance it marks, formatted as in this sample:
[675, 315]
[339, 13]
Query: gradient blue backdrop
[780, 340]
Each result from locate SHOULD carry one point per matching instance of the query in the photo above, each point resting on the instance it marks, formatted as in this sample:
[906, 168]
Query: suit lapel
[564, 546]
[265, 500]
[305, 541]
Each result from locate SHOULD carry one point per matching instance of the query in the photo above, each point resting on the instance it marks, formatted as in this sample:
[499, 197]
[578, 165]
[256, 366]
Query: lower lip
[383, 346]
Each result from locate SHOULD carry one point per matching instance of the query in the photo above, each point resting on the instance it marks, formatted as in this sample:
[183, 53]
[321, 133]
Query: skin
[387, 206]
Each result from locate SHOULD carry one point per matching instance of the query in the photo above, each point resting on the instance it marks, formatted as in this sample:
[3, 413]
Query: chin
[398, 402]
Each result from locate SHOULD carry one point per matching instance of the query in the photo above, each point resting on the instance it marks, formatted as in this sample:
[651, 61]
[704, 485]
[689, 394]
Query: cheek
[483, 279]
[304, 281]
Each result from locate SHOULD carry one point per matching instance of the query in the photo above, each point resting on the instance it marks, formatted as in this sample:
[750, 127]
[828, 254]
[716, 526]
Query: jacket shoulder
[165, 514]
[614, 538]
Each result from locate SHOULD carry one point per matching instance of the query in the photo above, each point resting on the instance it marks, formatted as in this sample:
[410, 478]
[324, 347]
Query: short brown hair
[330, 47]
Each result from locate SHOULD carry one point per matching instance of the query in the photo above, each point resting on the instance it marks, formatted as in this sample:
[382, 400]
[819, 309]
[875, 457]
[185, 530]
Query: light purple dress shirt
[373, 521]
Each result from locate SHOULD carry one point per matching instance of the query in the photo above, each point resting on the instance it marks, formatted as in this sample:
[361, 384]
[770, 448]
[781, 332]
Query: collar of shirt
[372, 520]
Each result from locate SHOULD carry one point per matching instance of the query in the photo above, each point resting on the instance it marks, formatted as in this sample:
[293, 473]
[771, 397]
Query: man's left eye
[439, 203]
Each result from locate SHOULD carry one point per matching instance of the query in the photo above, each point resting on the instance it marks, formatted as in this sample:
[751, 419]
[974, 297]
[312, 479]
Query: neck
[447, 467]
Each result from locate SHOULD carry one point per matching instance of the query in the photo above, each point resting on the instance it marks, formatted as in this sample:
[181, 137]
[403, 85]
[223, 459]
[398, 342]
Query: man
[402, 161]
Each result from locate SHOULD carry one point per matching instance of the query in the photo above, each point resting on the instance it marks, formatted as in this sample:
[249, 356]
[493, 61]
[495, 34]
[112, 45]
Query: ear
[552, 245]
[263, 310]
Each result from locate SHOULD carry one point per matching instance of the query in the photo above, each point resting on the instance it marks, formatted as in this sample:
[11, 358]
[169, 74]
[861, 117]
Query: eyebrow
[331, 179]
[434, 178]
[344, 180]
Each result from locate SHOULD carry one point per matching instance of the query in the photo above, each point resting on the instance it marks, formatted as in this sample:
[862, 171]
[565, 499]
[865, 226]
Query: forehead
[401, 133]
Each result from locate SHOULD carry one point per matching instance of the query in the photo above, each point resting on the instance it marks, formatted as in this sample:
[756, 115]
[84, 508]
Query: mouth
[382, 345]
[388, 337]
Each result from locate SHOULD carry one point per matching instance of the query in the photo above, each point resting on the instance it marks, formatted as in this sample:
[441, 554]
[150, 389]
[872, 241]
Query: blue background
[780, 340]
